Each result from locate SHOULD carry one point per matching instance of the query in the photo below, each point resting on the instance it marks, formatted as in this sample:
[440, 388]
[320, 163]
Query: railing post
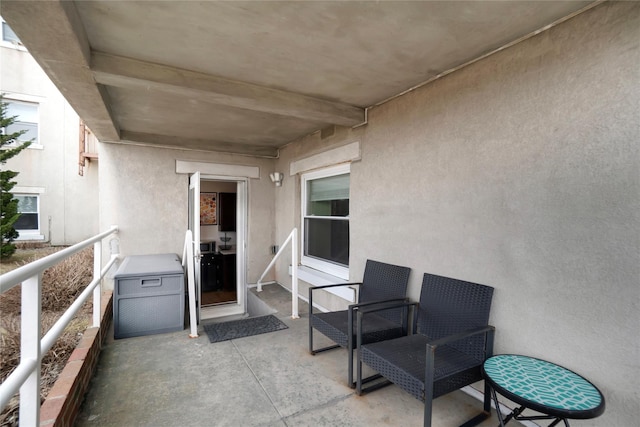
[30, 333]
[294, 275]
[97, 263]
[293, 238]
[189, 259]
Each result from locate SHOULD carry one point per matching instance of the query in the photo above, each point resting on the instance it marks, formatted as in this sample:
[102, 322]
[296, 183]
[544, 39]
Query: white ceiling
[249, 77]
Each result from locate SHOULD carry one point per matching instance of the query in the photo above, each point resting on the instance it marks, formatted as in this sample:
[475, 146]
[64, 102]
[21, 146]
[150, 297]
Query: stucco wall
[141, 192]
[69, 202]
[521, 172]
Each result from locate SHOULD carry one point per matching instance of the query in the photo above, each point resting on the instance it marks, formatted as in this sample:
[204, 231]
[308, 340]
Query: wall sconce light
[276, 178]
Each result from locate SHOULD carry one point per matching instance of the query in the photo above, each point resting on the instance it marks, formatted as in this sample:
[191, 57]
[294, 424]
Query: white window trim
[8, 44]
[30, 99]
[30, 234]
[322, 266]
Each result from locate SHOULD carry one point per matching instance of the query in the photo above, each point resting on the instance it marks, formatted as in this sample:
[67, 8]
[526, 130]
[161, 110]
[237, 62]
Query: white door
[194, 226]
[239, 306]
[241, 233]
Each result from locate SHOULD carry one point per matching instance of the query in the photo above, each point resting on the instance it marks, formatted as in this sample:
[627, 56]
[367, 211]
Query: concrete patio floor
[263, 380]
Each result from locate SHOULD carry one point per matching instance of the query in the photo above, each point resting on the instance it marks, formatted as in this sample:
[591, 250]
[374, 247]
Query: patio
[264, 380]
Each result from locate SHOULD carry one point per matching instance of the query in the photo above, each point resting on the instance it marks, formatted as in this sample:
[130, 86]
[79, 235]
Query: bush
[10, 146]
[61, 285]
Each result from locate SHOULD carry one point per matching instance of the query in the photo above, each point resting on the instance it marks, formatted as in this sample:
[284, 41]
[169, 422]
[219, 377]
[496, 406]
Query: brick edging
[62, 405]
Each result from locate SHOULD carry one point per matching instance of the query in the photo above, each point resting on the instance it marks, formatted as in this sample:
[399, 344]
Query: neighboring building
[57, 195]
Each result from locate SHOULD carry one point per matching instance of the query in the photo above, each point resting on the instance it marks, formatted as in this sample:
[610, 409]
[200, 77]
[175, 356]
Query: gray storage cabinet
[148, 296]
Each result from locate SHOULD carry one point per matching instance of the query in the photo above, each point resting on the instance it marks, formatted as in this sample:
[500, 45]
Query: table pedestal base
[515, 414]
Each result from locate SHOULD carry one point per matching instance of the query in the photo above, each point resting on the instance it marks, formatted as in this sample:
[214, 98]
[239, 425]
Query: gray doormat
[243, 328]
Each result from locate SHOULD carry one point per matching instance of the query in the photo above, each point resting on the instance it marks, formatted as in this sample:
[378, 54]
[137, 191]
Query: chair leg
[429, 378]
[358, 373]
[486, 413]
[350, 381]
[320, 350]
[359, 390]
[310, 332]
[311, 350]
[428, 406]
[487, 399]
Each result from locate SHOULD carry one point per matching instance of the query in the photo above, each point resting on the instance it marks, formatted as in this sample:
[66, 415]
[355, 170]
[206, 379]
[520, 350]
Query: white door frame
[194, 226]
[240, 307]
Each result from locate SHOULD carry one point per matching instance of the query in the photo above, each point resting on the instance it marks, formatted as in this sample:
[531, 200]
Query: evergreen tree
[9, 147]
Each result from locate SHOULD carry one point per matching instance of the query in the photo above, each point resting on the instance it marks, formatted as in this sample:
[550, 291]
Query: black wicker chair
[452, 340]
[381, 282]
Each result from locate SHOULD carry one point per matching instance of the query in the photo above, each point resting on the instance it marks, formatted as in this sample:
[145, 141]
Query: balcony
[263, 380]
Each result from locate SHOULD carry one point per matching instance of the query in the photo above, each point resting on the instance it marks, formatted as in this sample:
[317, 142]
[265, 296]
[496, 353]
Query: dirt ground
[61, 284]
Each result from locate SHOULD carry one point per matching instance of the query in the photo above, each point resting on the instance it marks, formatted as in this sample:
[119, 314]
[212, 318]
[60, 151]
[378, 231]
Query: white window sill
[33, 146]
[318, 278]
[12, 45]
[24, 237]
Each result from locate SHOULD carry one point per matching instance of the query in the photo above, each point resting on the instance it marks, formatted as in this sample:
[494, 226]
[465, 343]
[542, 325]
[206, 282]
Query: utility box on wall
[148, 296]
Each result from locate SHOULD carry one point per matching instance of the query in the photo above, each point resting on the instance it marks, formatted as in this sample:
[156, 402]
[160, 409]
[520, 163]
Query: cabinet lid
[152, 265]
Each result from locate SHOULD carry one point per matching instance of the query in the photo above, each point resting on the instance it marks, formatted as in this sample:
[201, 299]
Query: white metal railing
[293, 239]
[26, 377]
[189, 261]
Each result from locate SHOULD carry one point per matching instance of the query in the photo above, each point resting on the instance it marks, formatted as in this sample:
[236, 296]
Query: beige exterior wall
[141, 192]
[521, 172]
[68, 201]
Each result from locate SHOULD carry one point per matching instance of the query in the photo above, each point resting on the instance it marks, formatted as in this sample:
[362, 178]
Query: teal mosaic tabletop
[543, 386]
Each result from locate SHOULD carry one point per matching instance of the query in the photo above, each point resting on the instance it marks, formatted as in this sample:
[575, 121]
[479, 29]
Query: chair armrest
[312, 288]
[378, 305]
[456, 337]
[373, 307]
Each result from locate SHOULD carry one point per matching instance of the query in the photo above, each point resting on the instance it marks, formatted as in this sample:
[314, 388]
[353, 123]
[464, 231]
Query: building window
[26, 114]
[29, 221]
[325, 220]
[8, 35]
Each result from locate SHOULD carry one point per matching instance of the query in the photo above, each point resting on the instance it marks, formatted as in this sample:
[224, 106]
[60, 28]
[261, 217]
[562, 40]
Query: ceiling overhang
[250, 77]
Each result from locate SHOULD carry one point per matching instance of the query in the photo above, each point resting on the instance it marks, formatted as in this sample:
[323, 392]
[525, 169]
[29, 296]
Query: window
[8, 35]
[26, 119]
[29, 221]
[325, 220]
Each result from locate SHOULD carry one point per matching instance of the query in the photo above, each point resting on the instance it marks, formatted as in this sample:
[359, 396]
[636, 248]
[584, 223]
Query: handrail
[58, 328]
[26, 376]
[293, 239]
[20, 274]
[187, 254]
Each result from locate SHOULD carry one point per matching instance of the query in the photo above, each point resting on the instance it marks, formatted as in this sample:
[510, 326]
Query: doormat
[243, 328]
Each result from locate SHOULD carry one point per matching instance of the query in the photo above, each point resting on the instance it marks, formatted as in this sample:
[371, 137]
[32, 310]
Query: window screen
[28, 209]
[326, 219]
[26, 119]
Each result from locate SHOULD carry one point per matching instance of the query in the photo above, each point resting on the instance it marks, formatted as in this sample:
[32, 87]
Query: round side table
[556, 392]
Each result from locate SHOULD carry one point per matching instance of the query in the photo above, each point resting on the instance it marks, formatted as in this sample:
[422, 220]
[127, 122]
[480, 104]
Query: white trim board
[28, 190]
[221, 169]
[343, 154]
